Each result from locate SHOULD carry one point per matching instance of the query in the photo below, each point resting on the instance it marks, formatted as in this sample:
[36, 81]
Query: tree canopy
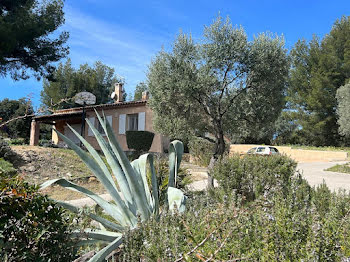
[139, 89]
[10, 109]
[26, 37]
[98, 79]
[343, 109]
[224, 85]
[319, 68]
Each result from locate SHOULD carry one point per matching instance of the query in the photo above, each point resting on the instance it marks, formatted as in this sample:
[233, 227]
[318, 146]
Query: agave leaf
[135, 187]
[176, 150]
[90, 242]
[94, 166]
[101, 220]
[176, 198]
[114, 164]
[101, 255]
[96, 156]
[112, 210]
[140, 166]
[103, 235]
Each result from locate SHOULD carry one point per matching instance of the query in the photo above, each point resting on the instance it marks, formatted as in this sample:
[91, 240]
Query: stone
[92, 179]
[30, 169]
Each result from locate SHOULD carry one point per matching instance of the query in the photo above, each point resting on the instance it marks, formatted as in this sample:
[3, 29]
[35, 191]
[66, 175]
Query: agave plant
[133, 198]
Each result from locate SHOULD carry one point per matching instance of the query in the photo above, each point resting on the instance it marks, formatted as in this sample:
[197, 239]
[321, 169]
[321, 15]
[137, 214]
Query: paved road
[314, 173]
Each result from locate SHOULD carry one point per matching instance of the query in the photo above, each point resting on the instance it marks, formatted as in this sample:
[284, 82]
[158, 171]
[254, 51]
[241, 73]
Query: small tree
[140, 141]
[215, 86]
[343, 109]
[139, 89]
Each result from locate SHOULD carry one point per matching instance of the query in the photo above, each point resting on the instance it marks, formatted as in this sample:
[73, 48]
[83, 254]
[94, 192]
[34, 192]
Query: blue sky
[126, 35]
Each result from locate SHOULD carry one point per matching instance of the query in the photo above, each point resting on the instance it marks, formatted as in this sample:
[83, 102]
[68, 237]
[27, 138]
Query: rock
[30, 169]
[69, 175]
[92, 179]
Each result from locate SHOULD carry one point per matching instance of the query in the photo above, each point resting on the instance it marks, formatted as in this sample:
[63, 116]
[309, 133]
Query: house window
[133, 121]
[100, 128]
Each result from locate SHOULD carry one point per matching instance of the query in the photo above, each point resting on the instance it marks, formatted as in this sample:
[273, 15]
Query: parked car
[263, 150]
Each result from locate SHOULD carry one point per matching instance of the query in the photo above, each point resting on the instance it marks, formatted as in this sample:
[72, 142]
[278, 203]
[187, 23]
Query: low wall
[299, 155]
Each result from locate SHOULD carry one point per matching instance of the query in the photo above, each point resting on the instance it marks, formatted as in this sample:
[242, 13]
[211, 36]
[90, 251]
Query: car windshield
[252, 150]
[260, 149]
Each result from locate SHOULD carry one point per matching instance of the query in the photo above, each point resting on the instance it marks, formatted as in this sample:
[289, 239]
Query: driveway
[314, 173]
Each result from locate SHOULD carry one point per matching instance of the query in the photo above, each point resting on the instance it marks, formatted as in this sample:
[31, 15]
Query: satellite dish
[85, 98]
[113, 95]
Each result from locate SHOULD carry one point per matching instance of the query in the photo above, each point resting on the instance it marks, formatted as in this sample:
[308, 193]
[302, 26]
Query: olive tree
[343, 109]
[213, 88]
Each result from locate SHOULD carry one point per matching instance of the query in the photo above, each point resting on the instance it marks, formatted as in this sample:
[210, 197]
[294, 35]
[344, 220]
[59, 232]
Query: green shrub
[32, 228]
[201, 150]
[140, 141]
[7, 153]
[288, 227]
[252, 176]
[18, 141]
[6, 169]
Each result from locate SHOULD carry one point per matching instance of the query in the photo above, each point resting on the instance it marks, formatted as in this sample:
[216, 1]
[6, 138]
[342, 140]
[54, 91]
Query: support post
[34, 133]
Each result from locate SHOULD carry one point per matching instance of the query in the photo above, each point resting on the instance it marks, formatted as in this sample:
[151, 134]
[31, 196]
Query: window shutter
[92, 121]
[142, 121]
[122, 120]
[110, 120]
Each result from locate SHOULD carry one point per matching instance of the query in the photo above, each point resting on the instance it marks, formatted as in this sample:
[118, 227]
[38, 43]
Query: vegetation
[253, 176]
[340, 168]
[138, 202]
[58, 92]
[10, 109]
[219, 86]
[36, 51]
[295, 224]
[319, 69]
[201, 150]
[139, 89]
[7, 169]
[7, 153]
[343, 99]
[32, 227]
[140, 141]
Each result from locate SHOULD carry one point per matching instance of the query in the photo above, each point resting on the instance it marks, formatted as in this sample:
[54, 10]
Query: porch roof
[59, 116]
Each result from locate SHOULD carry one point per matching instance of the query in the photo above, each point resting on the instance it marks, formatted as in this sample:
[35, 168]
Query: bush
[288, 227]
[252, 176]
[18, 141]
[201, 150]
[32, 228]
[140, 141]
[6, 169]
[7, 153]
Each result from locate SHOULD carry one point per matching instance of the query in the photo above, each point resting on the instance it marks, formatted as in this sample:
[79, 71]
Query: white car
[263, 150]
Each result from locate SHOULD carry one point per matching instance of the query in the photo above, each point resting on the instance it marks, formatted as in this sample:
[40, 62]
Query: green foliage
[67, 82]
[343, 109]
[319, 68]
[133, 197]
[161, 166]
[6, 169]
[303, 225]
[141, 141]
[7, 153]
[26, 37]
[340, 168]
[253, 176]
[32, 227]
[201, 150]
[139, 89]
[222, 85]
[10, 109]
